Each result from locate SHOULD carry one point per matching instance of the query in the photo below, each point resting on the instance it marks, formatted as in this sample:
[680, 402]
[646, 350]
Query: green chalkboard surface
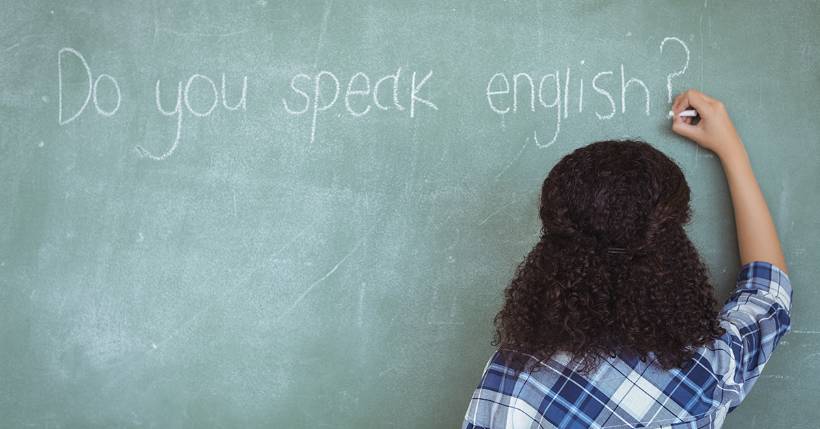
[303, 214]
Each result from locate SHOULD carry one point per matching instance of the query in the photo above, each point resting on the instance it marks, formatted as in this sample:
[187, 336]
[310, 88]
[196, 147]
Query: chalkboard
[303, 214]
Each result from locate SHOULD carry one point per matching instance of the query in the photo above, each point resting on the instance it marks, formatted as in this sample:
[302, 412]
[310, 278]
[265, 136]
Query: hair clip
[615, 250]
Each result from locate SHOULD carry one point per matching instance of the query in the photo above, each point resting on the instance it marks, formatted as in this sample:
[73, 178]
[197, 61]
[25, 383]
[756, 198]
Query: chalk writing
[322, 101]
[184, 97]
[317, 94]
[498, 91]
[91, 92]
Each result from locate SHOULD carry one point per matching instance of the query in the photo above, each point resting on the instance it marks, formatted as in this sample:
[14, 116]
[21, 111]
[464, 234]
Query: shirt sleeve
[756, 316]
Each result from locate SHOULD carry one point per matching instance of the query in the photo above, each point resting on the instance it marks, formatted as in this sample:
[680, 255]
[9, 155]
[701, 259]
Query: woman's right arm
[756, 233]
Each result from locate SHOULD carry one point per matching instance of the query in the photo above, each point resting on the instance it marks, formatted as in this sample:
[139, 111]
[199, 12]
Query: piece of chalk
[684, 113]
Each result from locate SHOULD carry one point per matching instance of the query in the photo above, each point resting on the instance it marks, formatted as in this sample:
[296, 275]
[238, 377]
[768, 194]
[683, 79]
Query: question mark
[677, 73]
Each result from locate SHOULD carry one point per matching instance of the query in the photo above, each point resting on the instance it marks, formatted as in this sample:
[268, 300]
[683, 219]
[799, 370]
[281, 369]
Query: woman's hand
[714, 131]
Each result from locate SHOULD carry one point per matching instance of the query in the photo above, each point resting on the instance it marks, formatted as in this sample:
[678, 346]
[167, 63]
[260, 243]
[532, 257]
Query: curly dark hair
[614, 272]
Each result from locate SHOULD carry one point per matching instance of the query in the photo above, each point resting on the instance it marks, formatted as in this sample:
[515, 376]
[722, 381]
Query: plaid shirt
[626, 392]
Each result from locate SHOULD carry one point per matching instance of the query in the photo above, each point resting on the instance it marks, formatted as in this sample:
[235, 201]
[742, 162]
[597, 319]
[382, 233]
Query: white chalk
[684, 113]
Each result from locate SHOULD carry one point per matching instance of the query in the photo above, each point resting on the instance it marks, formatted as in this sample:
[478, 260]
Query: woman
[610, 321]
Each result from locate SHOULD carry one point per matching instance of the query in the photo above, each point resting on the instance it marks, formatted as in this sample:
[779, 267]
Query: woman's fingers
[698, 100]
[676, 105]
[692, 98]
[706, 97]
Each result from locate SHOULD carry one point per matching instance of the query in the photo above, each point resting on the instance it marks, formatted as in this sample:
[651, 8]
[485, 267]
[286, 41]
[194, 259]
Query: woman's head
[619, 192]
[614, 271]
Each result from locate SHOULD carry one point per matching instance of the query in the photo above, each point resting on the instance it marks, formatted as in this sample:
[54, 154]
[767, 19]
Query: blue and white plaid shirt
[628, 393]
